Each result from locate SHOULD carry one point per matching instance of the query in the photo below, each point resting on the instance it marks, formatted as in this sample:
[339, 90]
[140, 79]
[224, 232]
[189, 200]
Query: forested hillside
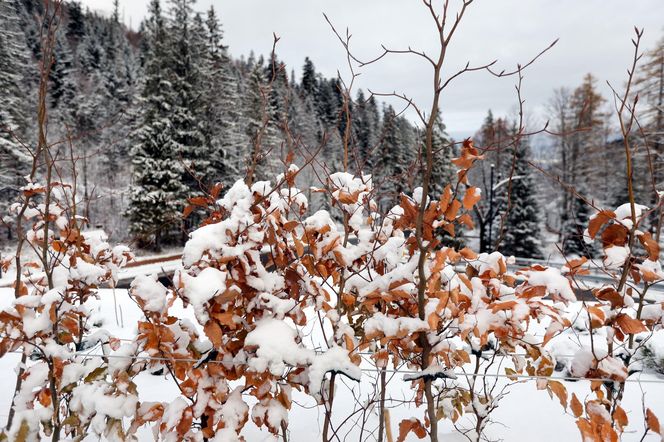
[159, 115]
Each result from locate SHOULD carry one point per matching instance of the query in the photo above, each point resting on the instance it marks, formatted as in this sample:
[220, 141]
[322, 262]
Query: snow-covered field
[525, 414]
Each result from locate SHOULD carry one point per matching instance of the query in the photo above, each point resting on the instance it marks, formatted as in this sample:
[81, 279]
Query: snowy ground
[525, 414]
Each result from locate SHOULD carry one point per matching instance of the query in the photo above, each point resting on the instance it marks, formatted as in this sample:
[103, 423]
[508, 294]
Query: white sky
[594, 37]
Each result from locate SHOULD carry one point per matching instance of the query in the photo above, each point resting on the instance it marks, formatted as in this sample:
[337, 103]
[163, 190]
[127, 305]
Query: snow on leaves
[62, 392]
[261, 267]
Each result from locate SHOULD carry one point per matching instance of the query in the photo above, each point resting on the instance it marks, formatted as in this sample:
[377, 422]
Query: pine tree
[494, 137]
[76, 23]
[156, 190]
[13, 123]
[262, 154]
[389, 165]
[573, 226]
[327, 104]
[407, 155]
[222, 106]
[186, 79]
[521, 230]
[309, 82]
[365, 128]
[116, 11]
[443, 171]
[63, 84]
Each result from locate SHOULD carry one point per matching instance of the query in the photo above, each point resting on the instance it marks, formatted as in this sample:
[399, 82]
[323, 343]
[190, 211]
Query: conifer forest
[200, 244]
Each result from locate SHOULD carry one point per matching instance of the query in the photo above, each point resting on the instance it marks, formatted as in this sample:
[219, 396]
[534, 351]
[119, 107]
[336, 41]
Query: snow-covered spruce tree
[261, 155]
[277, 77]
[390, 164]
[329, 102]
[222, 106]
[366, 124]
[309, 83]
[75, 20]
[118, 80]
[521, 226]
[156, 192]
[186, 43]
[63, 82]
[573, 225]
[443, 171]
[14, 159]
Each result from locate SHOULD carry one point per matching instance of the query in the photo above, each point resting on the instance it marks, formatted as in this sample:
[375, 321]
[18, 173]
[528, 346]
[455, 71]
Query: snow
[151, 292]
[615, 256]
[234, 410]
[582, 363]
[213, 238]
[489, 262]
[433, 372]
[393, 327]
[334, 359]
[652, 267]
[520, 413]
[276, 347]
[279, 307]
[173, 412]
[624, 213]
[98, 401]
[200, 289]
[556, 284]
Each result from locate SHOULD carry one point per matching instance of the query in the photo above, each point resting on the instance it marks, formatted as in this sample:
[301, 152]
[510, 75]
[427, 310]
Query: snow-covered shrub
[260, 267]
[467, 304]
[61, 392]
[620, 323]
[249, 272]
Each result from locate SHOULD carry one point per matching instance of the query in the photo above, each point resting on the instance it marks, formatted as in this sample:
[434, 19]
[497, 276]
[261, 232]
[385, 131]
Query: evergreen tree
[573, 226]
[521, 235]
[116, 11]
[262, 155]
[222, 106]
[442, 172]
[390, 165]
[365, 125]
[63, 84]
[309, 78]
[185, 76]
[76, 23]
[156, 190]
[327, 103]
[13, 123]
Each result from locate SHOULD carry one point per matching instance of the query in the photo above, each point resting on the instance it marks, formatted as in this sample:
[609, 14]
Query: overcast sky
[594, 37]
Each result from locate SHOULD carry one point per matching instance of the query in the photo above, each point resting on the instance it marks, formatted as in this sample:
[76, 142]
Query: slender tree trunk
[381, 423]
[17, 388]
[328, 412]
